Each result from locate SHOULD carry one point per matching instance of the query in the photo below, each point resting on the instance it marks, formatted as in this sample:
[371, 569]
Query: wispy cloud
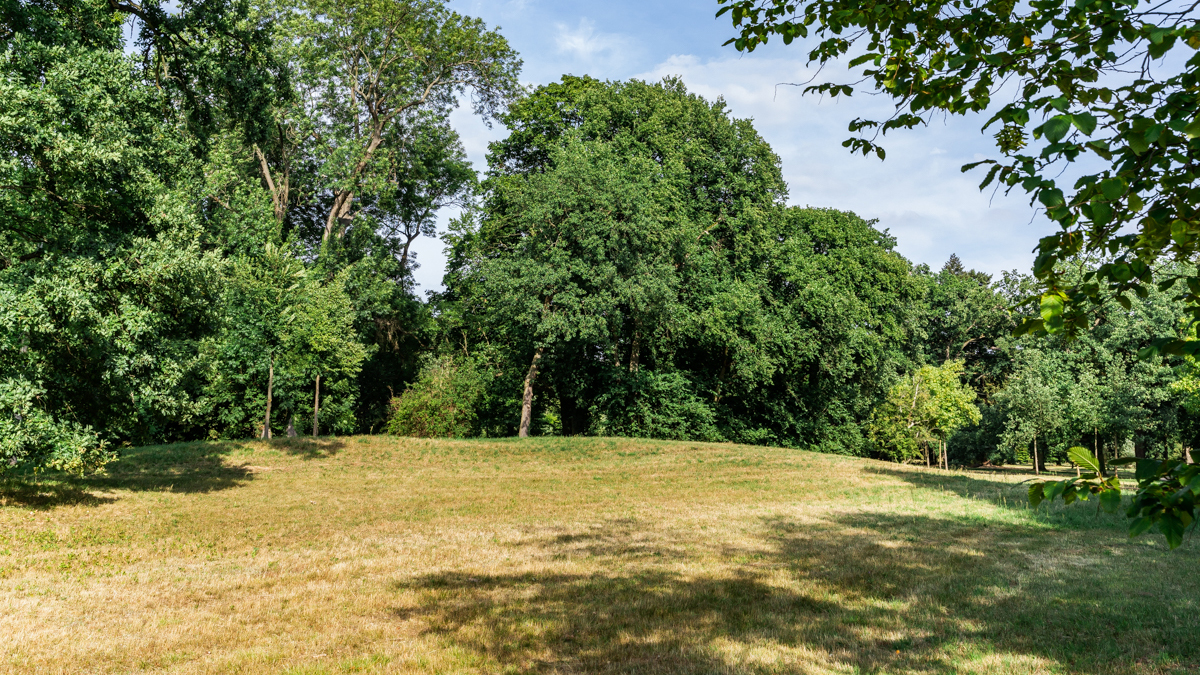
[583, 42]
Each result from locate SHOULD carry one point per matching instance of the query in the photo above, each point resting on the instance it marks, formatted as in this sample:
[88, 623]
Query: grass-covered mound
[572, 555]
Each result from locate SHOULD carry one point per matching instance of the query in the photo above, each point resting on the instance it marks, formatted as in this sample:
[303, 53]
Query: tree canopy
[634, 258]
[1106, 87]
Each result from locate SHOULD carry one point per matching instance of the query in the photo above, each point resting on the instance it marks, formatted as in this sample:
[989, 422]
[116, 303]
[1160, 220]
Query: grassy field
[572, 555]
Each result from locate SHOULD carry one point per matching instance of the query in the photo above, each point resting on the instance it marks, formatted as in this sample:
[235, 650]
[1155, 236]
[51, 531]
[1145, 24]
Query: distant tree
[282, 330]
[376, 79]
[966, 318]
[1031, 400]
[924, 408]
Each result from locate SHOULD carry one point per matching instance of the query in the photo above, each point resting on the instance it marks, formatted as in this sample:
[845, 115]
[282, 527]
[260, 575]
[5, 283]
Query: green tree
[377, 79]
[1031, 399]
[966, 318]
[925, 407]
[632, 247]
[105, 283]
[281, 331]
[1136, 127]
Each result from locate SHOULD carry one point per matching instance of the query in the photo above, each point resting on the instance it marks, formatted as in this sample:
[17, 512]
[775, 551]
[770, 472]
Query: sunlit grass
[572, 555]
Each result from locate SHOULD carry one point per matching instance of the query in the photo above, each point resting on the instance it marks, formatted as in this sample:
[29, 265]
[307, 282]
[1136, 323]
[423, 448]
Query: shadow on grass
[856, 593]
[1082, 515]
[181, 467]
[307, 447]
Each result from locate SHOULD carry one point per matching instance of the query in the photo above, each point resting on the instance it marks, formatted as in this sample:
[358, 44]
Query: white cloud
[583, 42]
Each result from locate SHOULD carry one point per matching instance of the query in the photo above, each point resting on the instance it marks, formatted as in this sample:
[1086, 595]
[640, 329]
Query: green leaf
[1085, 122]
[1037, 494]
[1192, 130]
[1051, 307]
[1056, 128]
[1172, 527]
[1028, 326]
[1051, 197]
[1110, 500]
[1139, 526]
[1083, 457]
[1146, 468]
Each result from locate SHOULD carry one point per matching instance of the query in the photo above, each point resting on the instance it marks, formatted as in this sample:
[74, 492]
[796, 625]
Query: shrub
[442, 403]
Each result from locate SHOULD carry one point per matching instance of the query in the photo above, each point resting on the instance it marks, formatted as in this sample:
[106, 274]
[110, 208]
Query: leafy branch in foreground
[1096, 84]
[1166, 494]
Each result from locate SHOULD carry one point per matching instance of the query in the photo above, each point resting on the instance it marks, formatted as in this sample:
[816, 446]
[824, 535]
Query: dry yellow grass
[572, 555]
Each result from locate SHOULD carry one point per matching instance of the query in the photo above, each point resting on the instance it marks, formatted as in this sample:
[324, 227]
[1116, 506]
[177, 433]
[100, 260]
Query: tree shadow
[307, 447]
[180, 467]
[199, 466]
[957, 587]
[856, 593]
[623, 538]
[42, 494]
[1082, 515]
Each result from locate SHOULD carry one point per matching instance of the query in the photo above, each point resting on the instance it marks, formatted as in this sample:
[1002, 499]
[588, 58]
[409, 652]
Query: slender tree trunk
[317, 408]
[1036, 470]
[527, 399]
[928, 456]
[635, 349]
[1187, 455]
[1099, 452]
[270, 385]
[291, 430]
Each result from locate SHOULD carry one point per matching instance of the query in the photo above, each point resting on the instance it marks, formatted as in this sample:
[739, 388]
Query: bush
[442, 403]
[649, 404]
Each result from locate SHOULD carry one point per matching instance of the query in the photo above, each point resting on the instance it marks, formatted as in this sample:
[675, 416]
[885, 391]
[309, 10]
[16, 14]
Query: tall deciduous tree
[633, 271]
[1112, 83]
[372, 71]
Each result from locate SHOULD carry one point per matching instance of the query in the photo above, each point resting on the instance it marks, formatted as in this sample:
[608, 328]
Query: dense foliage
[1109, 88]
[633, 268]
[168, 267]
[212, 238]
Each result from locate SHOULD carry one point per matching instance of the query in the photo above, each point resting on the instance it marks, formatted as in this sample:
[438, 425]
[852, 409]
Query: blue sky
[917, 193]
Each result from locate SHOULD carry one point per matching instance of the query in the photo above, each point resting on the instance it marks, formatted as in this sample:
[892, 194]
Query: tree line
[207, 235]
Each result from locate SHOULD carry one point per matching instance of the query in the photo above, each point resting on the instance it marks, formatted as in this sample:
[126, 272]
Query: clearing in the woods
[547, 555]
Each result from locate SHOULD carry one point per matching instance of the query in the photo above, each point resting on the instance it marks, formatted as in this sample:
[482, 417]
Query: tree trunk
[317, 408]
[945, 457]
[291, 431]
[635, 349]
[527, 399]
[1187, 455]
[270, 385]
[1036, 470]
[1099, 452]
[928, 456]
